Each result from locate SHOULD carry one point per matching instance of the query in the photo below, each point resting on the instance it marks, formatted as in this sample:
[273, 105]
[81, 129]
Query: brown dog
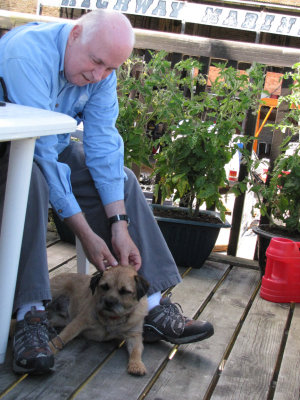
[110, 305]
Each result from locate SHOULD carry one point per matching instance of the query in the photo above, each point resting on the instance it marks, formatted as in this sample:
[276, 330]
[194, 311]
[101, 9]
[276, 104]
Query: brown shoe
[32, 353]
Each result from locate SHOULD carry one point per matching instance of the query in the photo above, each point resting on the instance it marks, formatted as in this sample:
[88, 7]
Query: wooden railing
[276, 56]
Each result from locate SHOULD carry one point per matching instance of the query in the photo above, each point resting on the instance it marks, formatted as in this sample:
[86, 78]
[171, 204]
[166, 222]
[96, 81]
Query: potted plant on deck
[278, 200]
[199, 143]
[147, 98]
[134, 115]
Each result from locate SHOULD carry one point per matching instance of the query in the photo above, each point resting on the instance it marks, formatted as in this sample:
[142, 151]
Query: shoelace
[176, 307]
[36, 334]
[172, 312]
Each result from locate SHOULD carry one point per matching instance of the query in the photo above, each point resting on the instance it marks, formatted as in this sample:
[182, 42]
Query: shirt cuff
[66, 207]
[111, 193]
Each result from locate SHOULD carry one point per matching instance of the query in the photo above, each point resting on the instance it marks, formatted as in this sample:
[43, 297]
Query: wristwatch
[119, 217]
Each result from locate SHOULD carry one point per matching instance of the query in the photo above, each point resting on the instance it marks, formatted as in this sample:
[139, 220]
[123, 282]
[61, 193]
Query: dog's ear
[95, 280]
[142, 286]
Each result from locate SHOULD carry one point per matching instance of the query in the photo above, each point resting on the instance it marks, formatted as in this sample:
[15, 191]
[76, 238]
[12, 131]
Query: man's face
[93, 60]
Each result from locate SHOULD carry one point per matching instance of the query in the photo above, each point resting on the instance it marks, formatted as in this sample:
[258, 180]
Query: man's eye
[95, 61]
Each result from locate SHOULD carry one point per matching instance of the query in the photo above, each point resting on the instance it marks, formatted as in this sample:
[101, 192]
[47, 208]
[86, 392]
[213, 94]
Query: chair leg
[83, 265]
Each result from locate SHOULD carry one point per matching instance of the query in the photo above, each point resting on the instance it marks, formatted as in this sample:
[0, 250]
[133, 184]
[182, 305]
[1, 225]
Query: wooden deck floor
[254, 354]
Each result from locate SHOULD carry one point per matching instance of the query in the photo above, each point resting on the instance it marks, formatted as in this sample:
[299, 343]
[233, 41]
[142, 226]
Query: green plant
[148, 93]
[279, 198]
[133, 118]
[204, 133]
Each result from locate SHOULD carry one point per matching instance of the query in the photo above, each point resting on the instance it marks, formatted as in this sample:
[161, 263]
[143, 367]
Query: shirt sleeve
[103, 145]
[27, 85]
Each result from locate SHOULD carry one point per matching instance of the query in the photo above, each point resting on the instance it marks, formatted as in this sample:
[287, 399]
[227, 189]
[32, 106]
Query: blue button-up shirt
[32, 66]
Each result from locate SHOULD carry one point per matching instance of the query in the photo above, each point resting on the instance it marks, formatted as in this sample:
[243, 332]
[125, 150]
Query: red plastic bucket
[281, 282]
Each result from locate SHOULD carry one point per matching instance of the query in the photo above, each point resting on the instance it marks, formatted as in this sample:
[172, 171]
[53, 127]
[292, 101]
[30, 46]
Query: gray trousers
[158, 265]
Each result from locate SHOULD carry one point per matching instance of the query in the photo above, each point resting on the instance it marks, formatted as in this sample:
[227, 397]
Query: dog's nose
[110, 302]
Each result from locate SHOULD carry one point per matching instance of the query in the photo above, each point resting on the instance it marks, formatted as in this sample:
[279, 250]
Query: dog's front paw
[136, 368]
[56, 344]
[52, 348]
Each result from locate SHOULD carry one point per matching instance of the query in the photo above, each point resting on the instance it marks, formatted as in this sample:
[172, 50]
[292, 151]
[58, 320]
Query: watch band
[119, 217]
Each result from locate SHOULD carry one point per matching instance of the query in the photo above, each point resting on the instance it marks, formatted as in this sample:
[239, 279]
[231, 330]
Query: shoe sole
[37, 370]
[184, 340]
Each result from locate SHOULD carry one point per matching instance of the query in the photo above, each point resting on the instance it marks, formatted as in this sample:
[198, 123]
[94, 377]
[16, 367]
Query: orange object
[281, 282]
[233, 175]
[269, 102]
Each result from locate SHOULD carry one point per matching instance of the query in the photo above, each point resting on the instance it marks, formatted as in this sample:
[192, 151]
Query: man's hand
[124, 247]
[94, 247]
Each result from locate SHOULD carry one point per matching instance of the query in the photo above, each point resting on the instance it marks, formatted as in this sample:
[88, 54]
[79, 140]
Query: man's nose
[99, 73]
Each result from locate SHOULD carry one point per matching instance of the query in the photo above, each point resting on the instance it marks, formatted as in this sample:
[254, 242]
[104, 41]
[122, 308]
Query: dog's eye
[124, 291]
[104, 286]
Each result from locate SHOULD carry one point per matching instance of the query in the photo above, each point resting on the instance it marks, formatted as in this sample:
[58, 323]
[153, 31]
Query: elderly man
[70, 68]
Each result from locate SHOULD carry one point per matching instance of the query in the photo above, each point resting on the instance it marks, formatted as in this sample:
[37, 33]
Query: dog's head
[118, 290]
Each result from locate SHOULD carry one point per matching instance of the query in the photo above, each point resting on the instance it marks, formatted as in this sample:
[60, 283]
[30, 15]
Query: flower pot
[264, 236]
[281, 282]
[190, 242]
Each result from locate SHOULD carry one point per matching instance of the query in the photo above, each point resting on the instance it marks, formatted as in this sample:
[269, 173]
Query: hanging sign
[257, 21]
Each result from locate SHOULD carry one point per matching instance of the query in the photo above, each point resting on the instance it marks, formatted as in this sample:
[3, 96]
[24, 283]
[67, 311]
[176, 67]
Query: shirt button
[56, 105]
[60, 211]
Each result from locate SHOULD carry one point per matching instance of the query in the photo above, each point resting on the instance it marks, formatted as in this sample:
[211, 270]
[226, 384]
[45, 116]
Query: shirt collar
[62, 44]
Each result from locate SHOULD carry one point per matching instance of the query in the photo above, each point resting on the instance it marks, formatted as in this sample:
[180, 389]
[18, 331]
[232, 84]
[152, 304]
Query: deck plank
[249, 369]
[233, 260]
[60, 253]
[52, 237]
[190, 373]
[113, 382]
[72, 366]
[7, 377]
[220, 293]
[288, 384]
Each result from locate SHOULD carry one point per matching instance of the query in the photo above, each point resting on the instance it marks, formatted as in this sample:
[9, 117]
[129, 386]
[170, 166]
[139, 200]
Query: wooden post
[239, 201]
[278, 136]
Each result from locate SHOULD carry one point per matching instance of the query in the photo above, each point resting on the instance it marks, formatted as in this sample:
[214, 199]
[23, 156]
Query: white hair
[92, 21]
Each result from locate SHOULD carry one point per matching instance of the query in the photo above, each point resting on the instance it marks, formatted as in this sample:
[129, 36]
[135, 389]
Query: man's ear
[142, 286]
[75, 33]
[95, 280]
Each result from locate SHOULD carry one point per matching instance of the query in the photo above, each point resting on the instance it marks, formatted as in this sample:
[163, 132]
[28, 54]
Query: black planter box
[190, 242]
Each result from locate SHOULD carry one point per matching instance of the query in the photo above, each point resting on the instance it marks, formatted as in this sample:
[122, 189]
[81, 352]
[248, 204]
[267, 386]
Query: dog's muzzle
[110, 303]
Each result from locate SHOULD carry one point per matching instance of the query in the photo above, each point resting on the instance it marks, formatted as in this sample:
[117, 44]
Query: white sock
[27, 307]
[153, 300]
